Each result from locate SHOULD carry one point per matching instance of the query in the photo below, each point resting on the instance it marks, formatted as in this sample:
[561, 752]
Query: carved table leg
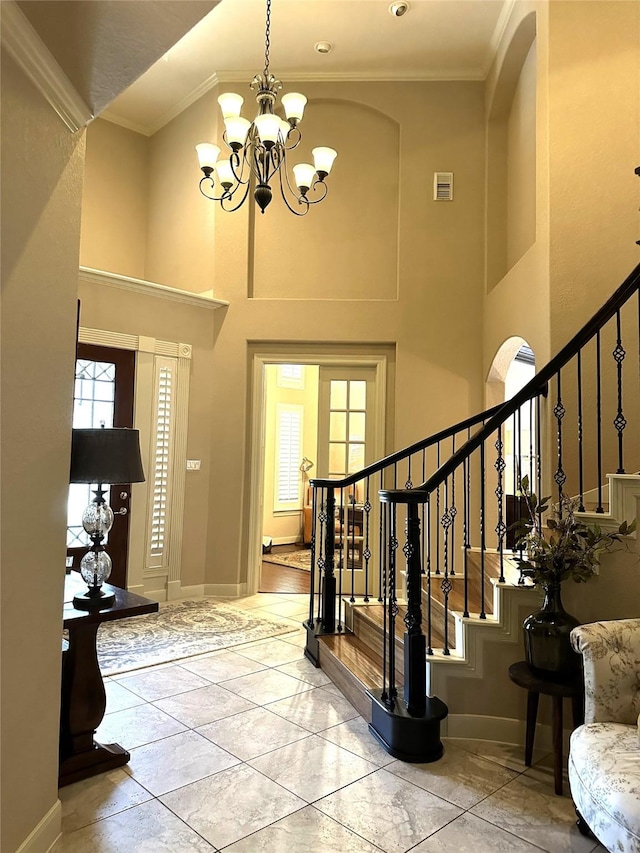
[82, 709]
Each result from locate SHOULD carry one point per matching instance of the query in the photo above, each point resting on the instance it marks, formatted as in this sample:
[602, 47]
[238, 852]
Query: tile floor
[252, 749]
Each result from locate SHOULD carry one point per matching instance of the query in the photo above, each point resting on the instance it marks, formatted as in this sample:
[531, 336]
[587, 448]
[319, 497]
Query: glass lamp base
[93, 599]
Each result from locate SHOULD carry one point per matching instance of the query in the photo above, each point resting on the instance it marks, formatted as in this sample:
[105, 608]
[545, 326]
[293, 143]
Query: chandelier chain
[267, 41]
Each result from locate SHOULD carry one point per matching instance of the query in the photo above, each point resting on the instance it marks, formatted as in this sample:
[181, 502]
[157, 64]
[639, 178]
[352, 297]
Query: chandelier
[258, 149]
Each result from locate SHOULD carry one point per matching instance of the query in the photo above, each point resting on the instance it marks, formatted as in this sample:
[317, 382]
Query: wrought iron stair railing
[567, 427]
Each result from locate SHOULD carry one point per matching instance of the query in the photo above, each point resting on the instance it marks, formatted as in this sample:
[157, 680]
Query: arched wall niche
[347, 246]
[511, 155]
[500, 365]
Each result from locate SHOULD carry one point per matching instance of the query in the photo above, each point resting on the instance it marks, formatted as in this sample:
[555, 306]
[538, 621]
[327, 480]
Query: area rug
[291, 559]
[179, 630]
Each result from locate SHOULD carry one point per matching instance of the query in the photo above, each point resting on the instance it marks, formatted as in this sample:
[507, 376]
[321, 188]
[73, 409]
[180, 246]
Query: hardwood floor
[282, 579]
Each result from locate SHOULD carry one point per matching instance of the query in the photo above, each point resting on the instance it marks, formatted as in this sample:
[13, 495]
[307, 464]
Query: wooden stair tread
[374, 613]
[361, 661]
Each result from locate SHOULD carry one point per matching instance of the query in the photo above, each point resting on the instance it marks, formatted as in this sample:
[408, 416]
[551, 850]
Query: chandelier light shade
[259, 150]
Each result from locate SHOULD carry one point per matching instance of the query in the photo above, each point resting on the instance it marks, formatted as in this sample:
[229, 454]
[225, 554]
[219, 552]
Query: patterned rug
[180, 629]
[291, 559]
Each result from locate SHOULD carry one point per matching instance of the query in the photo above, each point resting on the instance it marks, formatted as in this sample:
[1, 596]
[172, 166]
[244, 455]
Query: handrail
[399, 455]
[536, 386]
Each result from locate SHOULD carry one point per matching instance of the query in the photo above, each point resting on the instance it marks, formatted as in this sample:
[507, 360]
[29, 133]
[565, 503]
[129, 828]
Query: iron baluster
[445, 586]
[312, 579]
[580, 435]
[382, 543]
[428, 538]
[465, 532]
[559, 412]
[619, 420]
[408, 484]
[483, 614]
[366, 553]
[351, 554]
[531, 433]
[425, 547]
[599, 508]
[518, 448]
[384, 515]
[453, 512]
[322, 561]
[438, 515]
[538, 457]
[501, 527]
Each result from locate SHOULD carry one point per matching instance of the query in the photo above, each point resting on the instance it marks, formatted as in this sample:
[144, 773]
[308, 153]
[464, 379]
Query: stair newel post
[415, 675]
[392, 603]
[427, 538]
[382, 594]
[329, 580]
[312, 579]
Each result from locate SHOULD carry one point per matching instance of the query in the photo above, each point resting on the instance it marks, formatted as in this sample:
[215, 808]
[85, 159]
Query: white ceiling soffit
[435, 40]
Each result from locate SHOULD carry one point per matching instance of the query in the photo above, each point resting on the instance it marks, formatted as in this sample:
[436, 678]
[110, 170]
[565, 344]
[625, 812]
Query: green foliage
[568, 548]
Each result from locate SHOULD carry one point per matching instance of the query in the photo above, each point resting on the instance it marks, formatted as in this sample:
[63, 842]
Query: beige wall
[388, 266]
[41, 192]
[115, 200]
[287, 526]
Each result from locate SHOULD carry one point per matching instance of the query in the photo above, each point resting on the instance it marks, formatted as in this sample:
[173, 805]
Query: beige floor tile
[163, 683]
[316, 710]
[137, 726]
[291, 609]
[231, 804]
[252, 733]
[270, 652]
[260, 599]
[297, 638]
[267, 686]
[98, 797]
[470, 834]
[204, 705]
[389, 812]
[301, 832]
[312, 768]
[222, 666]
[355, 736]
[176, 761]
[305, 671]
[529, 809]
[119, 698]
[459, 776]
[148, 828]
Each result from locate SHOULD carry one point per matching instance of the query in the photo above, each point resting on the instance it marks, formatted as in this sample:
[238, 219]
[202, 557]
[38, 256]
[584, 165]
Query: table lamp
[101, 456]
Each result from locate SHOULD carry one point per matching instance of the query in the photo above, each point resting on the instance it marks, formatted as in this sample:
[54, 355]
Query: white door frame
[258, 404]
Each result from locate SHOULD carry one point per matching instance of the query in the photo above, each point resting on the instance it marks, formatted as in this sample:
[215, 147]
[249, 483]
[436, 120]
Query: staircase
[434, 601]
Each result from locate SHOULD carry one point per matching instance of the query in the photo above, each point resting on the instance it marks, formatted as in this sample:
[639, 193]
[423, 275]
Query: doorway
[103, 395]
[278, 526]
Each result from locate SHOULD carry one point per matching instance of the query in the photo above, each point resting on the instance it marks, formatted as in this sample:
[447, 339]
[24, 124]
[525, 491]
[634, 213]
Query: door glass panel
[93, 405]
[356, 458]
[338, 426]
[337, 459]
[356, 426]
[357, 394]
[338, 398]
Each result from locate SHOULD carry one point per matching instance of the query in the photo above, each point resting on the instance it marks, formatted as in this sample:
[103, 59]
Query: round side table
[522, 675]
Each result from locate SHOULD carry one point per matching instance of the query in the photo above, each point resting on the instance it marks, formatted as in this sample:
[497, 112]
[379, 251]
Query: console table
[83, 696]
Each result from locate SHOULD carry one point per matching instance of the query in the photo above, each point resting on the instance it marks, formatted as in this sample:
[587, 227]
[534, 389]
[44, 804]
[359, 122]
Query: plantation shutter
[162, 450]
[288, 457]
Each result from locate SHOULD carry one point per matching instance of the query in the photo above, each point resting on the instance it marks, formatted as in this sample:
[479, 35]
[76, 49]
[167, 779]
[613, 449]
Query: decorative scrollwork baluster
[619, 421]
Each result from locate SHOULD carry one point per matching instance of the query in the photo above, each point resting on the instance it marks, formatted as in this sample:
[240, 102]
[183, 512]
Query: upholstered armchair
[604, 755]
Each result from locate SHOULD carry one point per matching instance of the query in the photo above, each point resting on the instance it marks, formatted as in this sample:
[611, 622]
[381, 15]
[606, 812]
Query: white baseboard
[196, 590]
[42, 838]
[175, 592]
[138, 589]
[286, 540]
[502, 729]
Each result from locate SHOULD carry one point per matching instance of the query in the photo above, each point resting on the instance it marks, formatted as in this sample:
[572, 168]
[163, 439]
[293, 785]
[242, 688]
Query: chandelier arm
[297, 137]
[325, 190]
[229, 195]
[302, 201]
[203, 182]
[234, 161]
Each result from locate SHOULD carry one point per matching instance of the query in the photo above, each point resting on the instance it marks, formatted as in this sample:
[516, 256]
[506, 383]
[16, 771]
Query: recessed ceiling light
[398, 9]
[323, 47]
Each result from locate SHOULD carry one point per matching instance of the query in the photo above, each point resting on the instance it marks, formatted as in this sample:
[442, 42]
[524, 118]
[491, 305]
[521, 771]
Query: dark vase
[546, 637]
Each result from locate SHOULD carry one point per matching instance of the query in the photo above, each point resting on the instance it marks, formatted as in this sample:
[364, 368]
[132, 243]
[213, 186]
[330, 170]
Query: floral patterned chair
[604, 755]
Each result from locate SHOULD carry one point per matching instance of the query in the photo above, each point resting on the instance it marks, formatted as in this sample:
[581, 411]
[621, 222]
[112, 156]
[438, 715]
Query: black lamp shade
[106, 456]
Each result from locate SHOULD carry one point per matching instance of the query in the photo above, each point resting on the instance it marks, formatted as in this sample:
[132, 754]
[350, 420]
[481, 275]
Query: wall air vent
[443, 186]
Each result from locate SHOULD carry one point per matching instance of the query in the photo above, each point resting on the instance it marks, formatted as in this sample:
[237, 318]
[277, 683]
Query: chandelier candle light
[259, 149]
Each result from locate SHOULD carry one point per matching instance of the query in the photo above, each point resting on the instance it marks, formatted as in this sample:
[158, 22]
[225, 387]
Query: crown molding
[149, 288]
[121, 121]
[498, 33]
[33, 57]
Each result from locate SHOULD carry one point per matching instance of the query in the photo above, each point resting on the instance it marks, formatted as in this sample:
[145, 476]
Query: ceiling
[434, 40]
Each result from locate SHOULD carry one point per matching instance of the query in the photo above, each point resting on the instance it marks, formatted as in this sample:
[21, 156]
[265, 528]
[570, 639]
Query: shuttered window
[288, 457]
[162, 450]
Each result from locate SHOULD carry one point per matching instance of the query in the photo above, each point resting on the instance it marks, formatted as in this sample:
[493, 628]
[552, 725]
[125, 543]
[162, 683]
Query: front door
[104, 386]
